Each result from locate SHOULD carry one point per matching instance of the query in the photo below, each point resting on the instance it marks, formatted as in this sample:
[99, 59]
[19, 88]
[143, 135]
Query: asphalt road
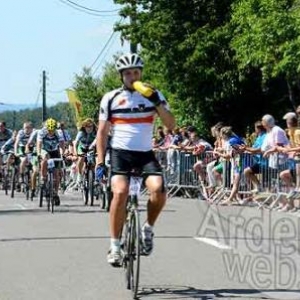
[201, 252]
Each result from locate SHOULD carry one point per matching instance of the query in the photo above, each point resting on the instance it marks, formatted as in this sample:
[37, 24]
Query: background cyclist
[50, 145]
[84, 141]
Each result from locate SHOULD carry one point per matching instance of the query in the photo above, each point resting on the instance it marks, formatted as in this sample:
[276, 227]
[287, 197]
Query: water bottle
[142, 89]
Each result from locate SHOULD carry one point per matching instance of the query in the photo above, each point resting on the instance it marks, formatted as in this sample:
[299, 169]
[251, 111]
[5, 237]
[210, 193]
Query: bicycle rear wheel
[13, 181]
[133, 253]
[6, 181]
[27, 184]
[85, 188]
[42, 193]
[91, 175]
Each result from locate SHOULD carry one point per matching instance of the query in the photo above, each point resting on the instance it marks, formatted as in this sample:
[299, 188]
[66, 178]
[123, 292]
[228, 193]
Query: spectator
[159, 138]
[212, 176]
[175, 144]
[258, 163]
[64, 133]
[236, 167]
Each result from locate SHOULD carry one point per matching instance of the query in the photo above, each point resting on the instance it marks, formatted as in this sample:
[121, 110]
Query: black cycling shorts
[124, 161]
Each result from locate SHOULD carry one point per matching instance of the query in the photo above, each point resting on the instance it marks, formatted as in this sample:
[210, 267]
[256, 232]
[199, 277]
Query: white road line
[14, 206]
[212, 243]
[21, 206]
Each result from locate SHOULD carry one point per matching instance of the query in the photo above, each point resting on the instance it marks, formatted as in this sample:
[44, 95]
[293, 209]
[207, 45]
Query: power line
[90, 9]
[102, 50]
[38, 97]
[66, 2]
[104, 56]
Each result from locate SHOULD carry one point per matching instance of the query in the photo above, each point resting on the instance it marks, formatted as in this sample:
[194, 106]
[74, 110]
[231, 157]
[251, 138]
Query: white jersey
[131, 116]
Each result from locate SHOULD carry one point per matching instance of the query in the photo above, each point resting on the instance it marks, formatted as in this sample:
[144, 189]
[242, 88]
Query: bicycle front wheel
[133, 253]
[51, 187]
[13, 182]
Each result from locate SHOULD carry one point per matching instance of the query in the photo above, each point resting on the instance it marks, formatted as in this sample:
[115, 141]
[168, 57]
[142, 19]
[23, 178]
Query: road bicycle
[26, 180]
[103, 191]
[132, 238]
[47, 189]
[87, 188]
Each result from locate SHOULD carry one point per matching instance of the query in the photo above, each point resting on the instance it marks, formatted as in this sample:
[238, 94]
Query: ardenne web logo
[259, 248]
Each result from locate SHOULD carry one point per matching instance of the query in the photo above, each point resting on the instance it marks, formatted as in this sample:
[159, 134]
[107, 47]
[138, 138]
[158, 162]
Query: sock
[146, 224]
[114, 244]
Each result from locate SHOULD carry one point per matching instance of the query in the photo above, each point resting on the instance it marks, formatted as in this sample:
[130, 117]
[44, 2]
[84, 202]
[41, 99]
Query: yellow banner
[75, 103]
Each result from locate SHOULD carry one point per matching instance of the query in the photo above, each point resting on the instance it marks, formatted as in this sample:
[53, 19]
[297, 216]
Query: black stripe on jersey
[118, 92]
[132, 110]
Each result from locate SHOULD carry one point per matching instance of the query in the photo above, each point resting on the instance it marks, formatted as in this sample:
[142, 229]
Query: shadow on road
[89, 237]
[187, 292]
[63, 208]
[53, 238]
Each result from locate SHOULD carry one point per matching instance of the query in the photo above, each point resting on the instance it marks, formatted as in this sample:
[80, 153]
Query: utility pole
[44, 107]
[133, 46]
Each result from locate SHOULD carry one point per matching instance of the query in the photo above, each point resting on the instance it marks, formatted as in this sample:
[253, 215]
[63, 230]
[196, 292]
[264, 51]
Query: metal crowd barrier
[183, 180]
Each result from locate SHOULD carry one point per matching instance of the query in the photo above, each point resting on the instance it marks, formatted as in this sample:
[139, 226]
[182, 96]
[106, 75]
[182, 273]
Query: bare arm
[38, 147]
[102, 136]
[75, 144]
[16, 145]
[62, 147]
[166, 117]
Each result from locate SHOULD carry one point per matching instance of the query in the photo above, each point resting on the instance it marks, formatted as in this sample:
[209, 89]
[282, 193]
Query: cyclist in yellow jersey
[129, 116]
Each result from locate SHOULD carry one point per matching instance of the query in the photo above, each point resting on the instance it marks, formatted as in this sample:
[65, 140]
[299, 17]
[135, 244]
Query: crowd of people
[269, 152]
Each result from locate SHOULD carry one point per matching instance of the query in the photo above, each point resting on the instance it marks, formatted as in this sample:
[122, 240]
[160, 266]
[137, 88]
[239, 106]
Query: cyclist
[50, 145]
[7, 151]
[130, 116]
[31, 148]
[85, 140]
[61, 129]
[22, 138]
[5, 135]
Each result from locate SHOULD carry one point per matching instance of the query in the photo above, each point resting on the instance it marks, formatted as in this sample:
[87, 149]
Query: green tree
[266, 37]
[90, 90]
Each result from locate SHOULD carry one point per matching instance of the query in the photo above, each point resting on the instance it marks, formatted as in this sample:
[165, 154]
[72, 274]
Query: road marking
[15, 206]
[213, 243]
[21, 206]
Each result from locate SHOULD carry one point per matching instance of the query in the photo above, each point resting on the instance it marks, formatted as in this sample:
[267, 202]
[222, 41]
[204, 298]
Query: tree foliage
[60, 112]
[231, 60]
[219, 59]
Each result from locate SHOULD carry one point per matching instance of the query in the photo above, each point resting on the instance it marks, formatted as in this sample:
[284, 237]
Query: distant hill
[16, 107]
[15, 118]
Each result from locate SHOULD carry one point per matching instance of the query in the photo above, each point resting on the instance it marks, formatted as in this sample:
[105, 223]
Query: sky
[51, 35]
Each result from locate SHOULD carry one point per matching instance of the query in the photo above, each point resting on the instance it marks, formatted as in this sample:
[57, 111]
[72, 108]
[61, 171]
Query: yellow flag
[75, 102]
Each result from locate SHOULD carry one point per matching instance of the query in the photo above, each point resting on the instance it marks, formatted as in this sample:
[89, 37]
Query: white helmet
[129, 61]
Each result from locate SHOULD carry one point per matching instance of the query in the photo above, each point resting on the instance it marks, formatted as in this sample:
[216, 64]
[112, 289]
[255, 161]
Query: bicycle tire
[47, 196]
[6, 182]
[91, 176]
[41, 196]
[133, 248]
[51, 186]
[13, 182]
[27, 184]
[103, 199]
